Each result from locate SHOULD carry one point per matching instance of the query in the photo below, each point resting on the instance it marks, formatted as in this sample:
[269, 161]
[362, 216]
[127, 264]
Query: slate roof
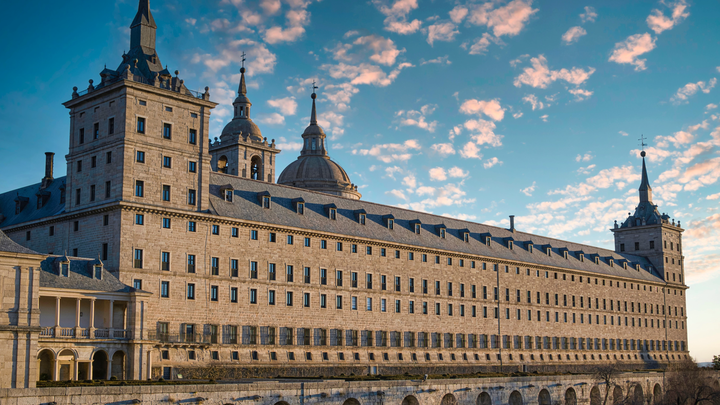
[80, 276]
[282, 213]
[30, 212]
[8, 245]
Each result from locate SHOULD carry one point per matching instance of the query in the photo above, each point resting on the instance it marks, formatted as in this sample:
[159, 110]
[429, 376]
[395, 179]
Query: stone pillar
[90, 371]
[110, 328]
[56, 369]
[76, 365]
[77, 318]
[91, 333]
[57, 317]
[109, 367]
[148, 361]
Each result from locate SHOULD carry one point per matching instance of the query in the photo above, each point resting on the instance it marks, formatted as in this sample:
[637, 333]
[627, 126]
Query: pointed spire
[242, 90]
[645, 189]
[143, 27]
[144, 16]
[313, 114]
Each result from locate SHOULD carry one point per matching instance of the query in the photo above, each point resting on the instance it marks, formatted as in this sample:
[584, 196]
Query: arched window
[256, 168]
[222, 165]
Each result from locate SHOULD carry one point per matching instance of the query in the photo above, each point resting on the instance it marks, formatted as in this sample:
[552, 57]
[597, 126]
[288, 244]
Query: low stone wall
[533, 390]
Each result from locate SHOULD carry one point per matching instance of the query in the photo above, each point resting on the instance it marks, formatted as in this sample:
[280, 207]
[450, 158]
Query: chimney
[49, 162]
[512, 223]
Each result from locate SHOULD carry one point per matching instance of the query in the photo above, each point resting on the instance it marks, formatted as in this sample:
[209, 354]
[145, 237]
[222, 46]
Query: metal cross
[642, 142]
[243, 59]
[314, 86]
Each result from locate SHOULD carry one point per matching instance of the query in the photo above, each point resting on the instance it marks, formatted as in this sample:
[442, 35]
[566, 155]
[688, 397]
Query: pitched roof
[30, 212]
[245, 206]
[8, 245]
[80, 276]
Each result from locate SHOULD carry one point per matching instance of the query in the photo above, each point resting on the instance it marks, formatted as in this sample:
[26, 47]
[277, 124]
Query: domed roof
[244, 125]
[313, 169]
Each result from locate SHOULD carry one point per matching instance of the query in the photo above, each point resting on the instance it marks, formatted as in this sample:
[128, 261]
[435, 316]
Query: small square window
[167, 131]
[139, 219]
[141, 125]
[167, 162]
[254, 235]
[216, 229]
[192, 167]
[140, 156]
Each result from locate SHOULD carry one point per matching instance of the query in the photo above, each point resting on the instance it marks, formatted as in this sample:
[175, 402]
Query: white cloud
[492, 162]
[471, 151]
[462, 217]
[715, 196]
[392, 170]
[441, 32]
[457, 172]
[711, 106]
[351, 33]
[580, 94]
[534, 102]
[584, 158]
[390, 152]
[623, 133]
[384, 50]
[588, 15]
[396, 16]
[364, 73]
[517, 114]
[296, 18]
[286, 105]
[191, 21]
[438, 174]
[690, 89]
[259, 59]
[480, 46]
[528, 190]
[417, 118]
[586, 170]
[458, 14]
[483, 132]
[627, 52]
[490, 108]
[409, 181]
[544, 117]
[270, 6]
[455, 131]
[442, 60]
[540, 76]
[272, 119]
[397, 193]
[443, 149]
[573, 35]
[659, 23]
[505, 20]
[288, 146]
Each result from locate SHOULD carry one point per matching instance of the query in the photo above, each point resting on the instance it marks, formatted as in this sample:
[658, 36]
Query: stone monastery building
[165, 254]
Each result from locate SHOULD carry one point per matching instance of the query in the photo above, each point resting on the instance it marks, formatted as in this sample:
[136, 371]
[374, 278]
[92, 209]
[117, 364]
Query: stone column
[90, 371]
[109, 368]
[76, 365]
[57, 317]
[77, 318]
[148, 361]
[91, 334]
[56, 369]
[110, 327]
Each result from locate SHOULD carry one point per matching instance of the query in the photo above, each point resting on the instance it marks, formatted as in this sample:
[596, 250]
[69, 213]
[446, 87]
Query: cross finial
[642, 142]
[243, 59]
[314, 87]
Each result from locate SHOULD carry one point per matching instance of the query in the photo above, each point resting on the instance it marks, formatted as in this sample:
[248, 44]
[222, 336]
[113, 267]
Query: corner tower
[653, 235]
[313, 169]
[242, 150]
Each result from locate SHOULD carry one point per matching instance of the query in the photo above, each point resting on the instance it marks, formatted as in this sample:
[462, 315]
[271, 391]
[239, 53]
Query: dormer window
[301, 208]
[548, 251]
[442, 233]
[637, 267]
[266, 202]
[530, 248]
[361, 219]
[510, 245]
[487, 241]
[625, 265]
[581, 256]
[611, 262]
[391, 224]
[565, 254]
[466, 237]
[361, 216]
[97, 272]
[333, 213]
[228, 195]
[597, 259]
[417, 229]
[65, 269]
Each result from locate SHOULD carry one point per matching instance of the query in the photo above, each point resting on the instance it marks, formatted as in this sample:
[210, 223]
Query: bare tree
[607, 373]
[688, 384]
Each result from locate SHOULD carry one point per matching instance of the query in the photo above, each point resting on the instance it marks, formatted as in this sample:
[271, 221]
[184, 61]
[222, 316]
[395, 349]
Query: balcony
[83, 333]
[83, 317]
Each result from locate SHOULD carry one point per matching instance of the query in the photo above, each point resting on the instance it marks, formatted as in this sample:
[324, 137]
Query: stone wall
[561, 389]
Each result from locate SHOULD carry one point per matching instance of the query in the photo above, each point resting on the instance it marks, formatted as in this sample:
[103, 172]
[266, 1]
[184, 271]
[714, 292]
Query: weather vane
[314, 86]
[243, 59]
[642, 145]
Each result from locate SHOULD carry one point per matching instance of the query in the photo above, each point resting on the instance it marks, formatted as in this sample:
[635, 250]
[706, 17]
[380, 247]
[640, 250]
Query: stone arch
[657, 394]
[67, 361]
[449, 399]
[100, 365]
[410, 400]
[222, 164]
[351, 401]
[617, 395]
[595, 398]
[484, 399]
[46, 364]
[281, 403]
[570, 397]
[256, 168]
[544, 397]
[515, 398]
[117, 369]
[638, 395]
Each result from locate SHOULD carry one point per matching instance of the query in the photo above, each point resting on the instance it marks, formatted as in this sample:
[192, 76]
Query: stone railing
[83, 333]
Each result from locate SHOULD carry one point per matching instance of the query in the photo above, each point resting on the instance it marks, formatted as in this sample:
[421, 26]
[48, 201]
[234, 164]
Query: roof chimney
[49, 162]
[512, 223]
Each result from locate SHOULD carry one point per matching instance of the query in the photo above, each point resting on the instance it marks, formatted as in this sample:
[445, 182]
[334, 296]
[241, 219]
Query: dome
[318, 173]
[244, 125]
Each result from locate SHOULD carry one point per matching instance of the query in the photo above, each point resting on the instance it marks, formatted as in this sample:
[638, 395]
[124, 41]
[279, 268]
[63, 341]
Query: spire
[242, 89]
[645, 189]
[142, 29]
[313, 115]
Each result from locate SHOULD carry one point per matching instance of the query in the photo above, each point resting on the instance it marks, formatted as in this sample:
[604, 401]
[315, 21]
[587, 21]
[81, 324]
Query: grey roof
[8, 245]
[80, 276]
[282, 213]
[30, 212]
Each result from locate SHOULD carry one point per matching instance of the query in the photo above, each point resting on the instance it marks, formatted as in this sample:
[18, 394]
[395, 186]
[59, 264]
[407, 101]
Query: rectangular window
[289, 273]
[397, 284]
[192, 226]
[323, 301]
[289, 298]
[192, 167]
[323, 276]
[167, 131]
[306, 300]
[108, 157]
[213, 293]
[165, 289]
[167, 162]
[368, 250]
[306, 275]
[191, 197]
[107, 189]
[216, 229]
[79, 166]
[140, 128]
[166, 223]
[139, 188]
[234, 232]
[234, 268]
[411, 285]
[92, 192]
[271, 297]
[254, 235]
[353, 279]
[338, 278]
[82, 135]
[140, 156]
[165, 261]
[338, 301]
[323, 244]
[307, 242]
[138, 260]
[191, 263]
[191, 291]
[339, 246]
[137, 284]
[93, 162]
[192, 137]
[234, 295]
[253, 296]
[139, 219]
[166, 193]
[111, 126]
[290, 240]
[253, 270]
[271, 272]
[104, 251]
[215, 266]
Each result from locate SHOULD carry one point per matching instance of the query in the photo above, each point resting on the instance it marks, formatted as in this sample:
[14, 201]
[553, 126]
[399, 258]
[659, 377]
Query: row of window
[166, 193]
[651, 245]
[96, 130]
[167, 161]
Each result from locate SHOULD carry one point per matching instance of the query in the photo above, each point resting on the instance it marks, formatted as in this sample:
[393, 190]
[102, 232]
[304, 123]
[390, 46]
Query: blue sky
[471, 109]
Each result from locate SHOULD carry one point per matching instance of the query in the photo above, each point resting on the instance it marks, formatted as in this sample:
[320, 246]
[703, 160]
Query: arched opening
[570, 397]
[449, 399]
[410, 400]
[638, 397]
[351, 401]
[118, 365]
[222, 164]
[617, 395]
[544, 397]
[46, 365]
[281, 403]
[256, 168]
[483, 399]
[66, 365]
[657, 394]
[595, 398]
[99, 365]
[515, 398]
